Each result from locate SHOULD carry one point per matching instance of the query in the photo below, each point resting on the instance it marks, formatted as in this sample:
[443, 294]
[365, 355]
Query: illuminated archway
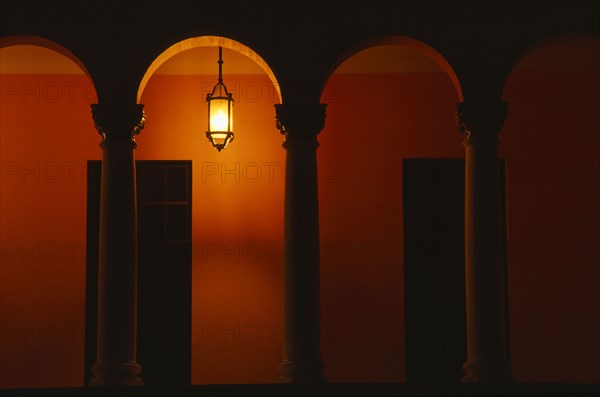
[237, 203]
[206, 41]
[550, 141]
[47, 135]
[388, 99]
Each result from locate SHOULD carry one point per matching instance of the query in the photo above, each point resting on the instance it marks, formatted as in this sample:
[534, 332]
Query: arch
[401, 41]
[205, 41]
[10, 41]
[546, 42]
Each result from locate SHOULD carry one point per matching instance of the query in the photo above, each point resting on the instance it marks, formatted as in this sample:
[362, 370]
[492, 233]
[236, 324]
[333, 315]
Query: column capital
[118, 121]
[481, 121]
[300, 120]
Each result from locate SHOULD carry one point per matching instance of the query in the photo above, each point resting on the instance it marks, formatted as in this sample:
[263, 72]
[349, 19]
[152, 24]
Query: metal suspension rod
[220, 65]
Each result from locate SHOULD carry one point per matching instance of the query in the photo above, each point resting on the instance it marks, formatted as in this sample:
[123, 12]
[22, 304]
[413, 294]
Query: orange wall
[373, 122]
[550, 142]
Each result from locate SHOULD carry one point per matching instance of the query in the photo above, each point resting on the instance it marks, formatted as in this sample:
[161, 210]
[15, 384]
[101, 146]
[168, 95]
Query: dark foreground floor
[330, 389]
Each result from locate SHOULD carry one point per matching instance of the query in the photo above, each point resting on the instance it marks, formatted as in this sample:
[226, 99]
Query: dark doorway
[164, 270]
[434, 274]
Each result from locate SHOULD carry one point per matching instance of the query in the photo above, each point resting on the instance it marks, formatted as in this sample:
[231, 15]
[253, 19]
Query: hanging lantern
[220, 113]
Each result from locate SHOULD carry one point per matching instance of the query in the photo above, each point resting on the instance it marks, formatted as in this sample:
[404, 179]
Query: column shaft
[302, 307]
[487, 358]
[117, 267]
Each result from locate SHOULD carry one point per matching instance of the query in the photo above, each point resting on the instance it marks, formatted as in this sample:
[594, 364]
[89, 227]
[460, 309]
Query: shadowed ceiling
[27, 59]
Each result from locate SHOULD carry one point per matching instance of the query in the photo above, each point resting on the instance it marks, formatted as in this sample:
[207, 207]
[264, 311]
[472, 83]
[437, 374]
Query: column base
[301, 373]
[486, 372]
[116, 374]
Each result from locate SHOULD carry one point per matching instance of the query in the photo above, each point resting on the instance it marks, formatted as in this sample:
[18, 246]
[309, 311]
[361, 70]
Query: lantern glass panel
[219, 110]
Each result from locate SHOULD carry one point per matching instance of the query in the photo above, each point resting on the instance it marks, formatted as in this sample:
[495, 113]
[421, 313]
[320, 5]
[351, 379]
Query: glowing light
[218, 116]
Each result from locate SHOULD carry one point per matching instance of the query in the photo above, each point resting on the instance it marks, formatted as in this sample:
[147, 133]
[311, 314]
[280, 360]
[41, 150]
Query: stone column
[487, 358]
[302, 302]
[117, 267]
